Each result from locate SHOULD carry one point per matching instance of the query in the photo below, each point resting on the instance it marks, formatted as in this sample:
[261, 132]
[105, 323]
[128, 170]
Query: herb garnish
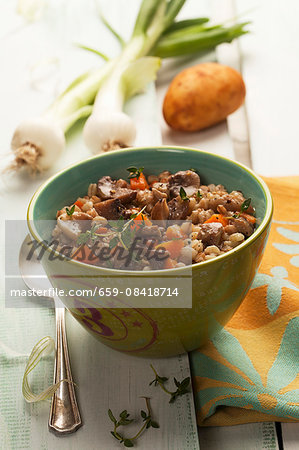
[245, 205]
[182, 387]
[124, 234]
[134, 172]
[199, 194]
[121, 233]
[183, 194]
[88, 235]
[123, 421]
[70, 211]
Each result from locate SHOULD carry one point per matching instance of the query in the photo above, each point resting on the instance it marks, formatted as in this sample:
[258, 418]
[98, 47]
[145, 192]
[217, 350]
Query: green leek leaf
[197, 42]
[183, 24]
[138, 74]
[43, 348]
[146, 15]
[110, 27]
[93, 50]
[173, 8]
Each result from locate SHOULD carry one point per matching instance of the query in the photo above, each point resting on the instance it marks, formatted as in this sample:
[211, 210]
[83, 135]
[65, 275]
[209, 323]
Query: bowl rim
[256, 234]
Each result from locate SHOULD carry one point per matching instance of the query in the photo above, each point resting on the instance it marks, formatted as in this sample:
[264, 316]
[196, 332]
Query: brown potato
[203, 95]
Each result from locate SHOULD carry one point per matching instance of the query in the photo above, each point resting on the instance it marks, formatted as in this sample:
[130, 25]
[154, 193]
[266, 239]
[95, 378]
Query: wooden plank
[270, 68]
[259, 436]
[290, 436]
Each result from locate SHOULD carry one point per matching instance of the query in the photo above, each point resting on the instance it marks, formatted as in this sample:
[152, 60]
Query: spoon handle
[64, 414]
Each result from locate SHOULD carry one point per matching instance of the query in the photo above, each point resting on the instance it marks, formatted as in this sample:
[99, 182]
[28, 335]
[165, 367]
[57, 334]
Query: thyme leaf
[88, 235]
[183, 194]
[183, 387]
[70, 211]
[135, 172]
[123, 420]
[245, 205]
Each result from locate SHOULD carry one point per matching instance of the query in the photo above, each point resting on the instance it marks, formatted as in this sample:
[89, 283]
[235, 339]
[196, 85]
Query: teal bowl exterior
[218, 285]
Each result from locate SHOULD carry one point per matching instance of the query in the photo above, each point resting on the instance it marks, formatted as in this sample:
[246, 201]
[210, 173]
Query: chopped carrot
[220, 218]
[101, 230]
[85, 254]
[173, 247]
[139, 183]
[141, 218]
[79, 203]
[251, 219]
[169, 263]
[174, 233]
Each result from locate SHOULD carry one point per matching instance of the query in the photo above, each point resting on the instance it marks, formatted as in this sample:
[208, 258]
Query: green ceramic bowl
[218, 285]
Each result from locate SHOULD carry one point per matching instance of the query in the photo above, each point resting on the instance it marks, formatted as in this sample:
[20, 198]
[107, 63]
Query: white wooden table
[37, 62]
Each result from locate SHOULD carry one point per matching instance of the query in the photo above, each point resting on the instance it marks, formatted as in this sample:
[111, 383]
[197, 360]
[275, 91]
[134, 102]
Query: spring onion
[38, 142]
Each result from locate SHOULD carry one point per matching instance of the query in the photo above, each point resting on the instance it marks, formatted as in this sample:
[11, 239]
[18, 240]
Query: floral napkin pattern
[250, 371]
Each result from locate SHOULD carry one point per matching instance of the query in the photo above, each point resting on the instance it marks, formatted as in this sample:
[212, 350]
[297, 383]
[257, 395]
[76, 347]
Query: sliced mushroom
[187, 179]
[114, 207]
[178, 209]
[73, 226]
[158, 195]
[160, 211]
[161, 187]
[107, 188]
[110, 209]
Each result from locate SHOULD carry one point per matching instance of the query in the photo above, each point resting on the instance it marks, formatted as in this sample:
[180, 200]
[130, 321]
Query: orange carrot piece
[173, 247]
[173, 233]
[140, 218]
[101, 230]
[79, 203]
[220, 218]
[251, 219]
[139, 183]
[169, 263]
[85, 254]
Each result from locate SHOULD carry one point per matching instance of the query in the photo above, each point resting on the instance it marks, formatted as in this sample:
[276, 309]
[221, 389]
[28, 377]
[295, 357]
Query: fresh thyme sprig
[135, 172]
[70, 211]
[245, 205]
[183, 194]
[120, 232]
[123, 234]
[182, 386]
[123, 421]
[88, 235]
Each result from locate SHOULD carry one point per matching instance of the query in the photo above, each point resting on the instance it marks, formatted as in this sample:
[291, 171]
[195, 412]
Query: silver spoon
[64, 414]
